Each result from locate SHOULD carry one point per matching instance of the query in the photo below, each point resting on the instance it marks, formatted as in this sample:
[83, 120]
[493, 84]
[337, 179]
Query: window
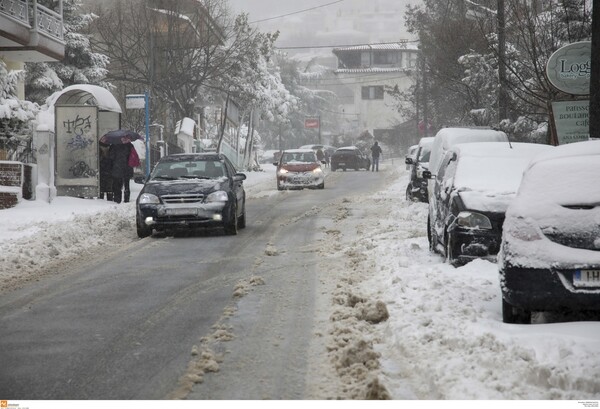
[372, 92]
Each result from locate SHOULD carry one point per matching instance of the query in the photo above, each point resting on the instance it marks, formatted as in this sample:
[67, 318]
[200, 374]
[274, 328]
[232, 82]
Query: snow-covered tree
[459, 44]
[81, 64]
[15, 114]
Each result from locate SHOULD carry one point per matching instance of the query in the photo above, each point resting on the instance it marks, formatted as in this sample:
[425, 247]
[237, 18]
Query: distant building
[360, 81]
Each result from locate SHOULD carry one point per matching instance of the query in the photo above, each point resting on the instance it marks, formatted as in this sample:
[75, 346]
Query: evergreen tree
[15, 114]
[80, 66]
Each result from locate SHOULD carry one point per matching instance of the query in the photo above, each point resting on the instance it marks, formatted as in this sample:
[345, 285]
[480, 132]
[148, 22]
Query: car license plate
[342, 164]
[586, 278]
[181, 211]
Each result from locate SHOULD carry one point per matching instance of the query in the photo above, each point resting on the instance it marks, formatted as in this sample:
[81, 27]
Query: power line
[344, 45]
[296, 12]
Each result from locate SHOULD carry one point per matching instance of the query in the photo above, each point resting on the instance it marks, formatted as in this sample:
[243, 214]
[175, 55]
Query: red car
[299, 169]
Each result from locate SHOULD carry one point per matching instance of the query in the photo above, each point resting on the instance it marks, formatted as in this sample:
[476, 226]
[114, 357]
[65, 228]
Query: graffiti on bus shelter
[78, 126]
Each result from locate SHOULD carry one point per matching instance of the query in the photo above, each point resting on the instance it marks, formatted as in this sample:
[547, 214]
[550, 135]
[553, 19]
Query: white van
[443, 140]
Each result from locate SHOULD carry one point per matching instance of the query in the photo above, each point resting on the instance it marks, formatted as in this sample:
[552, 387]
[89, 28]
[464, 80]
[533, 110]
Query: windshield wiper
[194, 177]
[164, 177]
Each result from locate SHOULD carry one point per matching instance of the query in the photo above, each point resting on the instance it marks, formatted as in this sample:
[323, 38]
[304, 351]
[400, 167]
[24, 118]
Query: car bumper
[162, 217]
[308, 179]
[546, 290]
[417, 190]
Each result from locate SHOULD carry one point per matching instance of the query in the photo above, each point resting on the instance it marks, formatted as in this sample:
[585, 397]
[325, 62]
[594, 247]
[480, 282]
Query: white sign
[135, 101]
[569, 68]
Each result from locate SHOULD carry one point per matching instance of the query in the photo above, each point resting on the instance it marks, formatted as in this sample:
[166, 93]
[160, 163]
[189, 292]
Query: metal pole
[146, 104]
[595, 73]
[502, 97]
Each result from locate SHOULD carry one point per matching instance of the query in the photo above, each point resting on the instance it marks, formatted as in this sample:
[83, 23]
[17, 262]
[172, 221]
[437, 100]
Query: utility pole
[595, 73]
[502, 96]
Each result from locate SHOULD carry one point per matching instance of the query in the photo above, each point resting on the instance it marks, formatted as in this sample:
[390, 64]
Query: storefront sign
[571, 121]
[569, 68]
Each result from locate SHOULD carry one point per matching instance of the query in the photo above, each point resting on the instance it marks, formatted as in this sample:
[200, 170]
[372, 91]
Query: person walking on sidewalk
[375, 154]
[121, 171]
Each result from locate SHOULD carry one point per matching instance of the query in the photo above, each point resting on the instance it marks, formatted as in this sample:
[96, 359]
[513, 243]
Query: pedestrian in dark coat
[121, 171]
[375, 154]
[105, 173]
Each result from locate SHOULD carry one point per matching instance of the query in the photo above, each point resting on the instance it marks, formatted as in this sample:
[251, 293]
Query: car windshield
[307, 157]
[196, 169]
[424, 156]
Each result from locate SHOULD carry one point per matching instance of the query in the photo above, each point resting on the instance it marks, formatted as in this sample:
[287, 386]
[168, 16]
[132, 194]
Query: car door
[442, 194]
[237, 186]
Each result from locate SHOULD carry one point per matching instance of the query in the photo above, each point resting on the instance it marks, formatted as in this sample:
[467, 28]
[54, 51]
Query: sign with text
[571, 121]
[311, 122]
[569, 68]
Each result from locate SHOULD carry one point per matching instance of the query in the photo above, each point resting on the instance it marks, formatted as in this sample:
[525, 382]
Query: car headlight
[471, 220]
[521, 229]
[283, 171]
[218, 196]
[317, 170]
[149, 198]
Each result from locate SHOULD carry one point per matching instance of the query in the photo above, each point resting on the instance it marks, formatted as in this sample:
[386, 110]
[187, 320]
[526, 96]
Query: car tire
[143, 231]
[333, 169]
[450, 253]
[430, 236]
[321, 186]
[231, 228]
[242, 218]
[344, 169]
[514, 315]
[408, 194]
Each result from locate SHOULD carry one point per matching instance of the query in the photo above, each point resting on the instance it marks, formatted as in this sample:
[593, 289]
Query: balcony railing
[17, 9]
[35, 16]
[47, 21]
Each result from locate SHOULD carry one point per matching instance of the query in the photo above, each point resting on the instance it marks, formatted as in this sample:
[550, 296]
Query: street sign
[135, 101]
[311, 122]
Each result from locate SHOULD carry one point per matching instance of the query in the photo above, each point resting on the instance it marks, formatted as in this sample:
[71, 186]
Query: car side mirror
[409, 161]
[427, 175]
[275, 164]
[238, 177]
[139, 179]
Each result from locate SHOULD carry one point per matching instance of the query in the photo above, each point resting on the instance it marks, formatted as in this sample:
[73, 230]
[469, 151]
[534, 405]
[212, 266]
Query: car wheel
[321, 186]
[357, 168]
[430, 235]
[242, 219]
[344, 169]
[142, 229]
[450, 251]
[408, 194]
[333, 169]
[514, 315]
[231, 228]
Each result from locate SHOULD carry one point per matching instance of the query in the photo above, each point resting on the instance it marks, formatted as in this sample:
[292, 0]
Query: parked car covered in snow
[298, 169]
[550, 254]
[474, 185]
[417, 185]
[349, 157]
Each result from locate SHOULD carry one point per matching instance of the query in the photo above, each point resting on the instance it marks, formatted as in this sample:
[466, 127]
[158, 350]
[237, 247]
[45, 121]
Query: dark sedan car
[473, 187]
[192, 190]
[349, 157]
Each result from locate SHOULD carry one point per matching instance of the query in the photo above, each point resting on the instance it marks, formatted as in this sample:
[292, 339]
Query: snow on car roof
[489, 173]
[583, 148]
[453, 136]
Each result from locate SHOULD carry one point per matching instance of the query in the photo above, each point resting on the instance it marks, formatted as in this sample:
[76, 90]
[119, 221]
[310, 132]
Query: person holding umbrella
[120, 153]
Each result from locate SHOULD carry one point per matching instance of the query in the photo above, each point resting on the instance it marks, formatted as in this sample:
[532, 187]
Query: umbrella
[119, 136]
